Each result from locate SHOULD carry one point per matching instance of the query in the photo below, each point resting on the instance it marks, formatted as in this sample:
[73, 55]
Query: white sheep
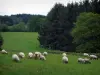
[87, 60]
[81, 60]
[64, 54]
[42, 57]
[86, 54]
[4, 51]
[65, 59]
[84, 60]
[45, 53]
[93, 57]
[15, 57]
[30, 55]
[21, 55]
[37, 55]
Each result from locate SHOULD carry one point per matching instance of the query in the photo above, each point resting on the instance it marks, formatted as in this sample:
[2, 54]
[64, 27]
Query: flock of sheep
[36, 55]
[87, 58]
[42, 56]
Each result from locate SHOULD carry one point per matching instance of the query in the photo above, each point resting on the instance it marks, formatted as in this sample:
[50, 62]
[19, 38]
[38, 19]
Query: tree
[55, 33]
[35, 22]
[3, 27]
[21, 27]
[86, 33]
[1, 41]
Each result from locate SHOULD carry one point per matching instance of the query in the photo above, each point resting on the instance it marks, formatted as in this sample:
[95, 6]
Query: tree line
[63, 28]
[20, 22]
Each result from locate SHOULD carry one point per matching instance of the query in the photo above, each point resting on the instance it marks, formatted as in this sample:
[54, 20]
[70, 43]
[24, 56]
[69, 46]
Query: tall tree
[55, 34]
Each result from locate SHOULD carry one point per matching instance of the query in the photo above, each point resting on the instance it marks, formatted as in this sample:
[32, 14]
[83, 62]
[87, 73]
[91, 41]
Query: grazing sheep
[65, 59]
[64, 54]
[93, 57]
[81, 60]
[84, 61]
[45, 53]
[37, 55]
[42, 57]
[86, 54]
[4, 51]
[30, 55]
[87, 61]
[21, 55]
[15, 57]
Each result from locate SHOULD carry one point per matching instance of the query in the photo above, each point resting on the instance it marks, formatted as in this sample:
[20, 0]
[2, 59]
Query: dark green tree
[1, 41]
[21, 27]
[4, 28]
[55, 33]
[35, 22]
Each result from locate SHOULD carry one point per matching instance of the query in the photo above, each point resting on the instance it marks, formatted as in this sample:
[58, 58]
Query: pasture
[15, 42]
[21, 41]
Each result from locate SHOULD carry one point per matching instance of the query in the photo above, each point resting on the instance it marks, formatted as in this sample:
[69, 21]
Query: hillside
[21, 41]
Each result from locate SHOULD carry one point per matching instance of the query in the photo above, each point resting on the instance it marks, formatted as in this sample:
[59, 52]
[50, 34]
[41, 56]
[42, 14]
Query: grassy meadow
[21, 41]
[15, 42]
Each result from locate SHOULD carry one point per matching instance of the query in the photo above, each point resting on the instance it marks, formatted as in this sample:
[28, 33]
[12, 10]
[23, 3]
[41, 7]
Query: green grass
[21, 41]
[52, 66]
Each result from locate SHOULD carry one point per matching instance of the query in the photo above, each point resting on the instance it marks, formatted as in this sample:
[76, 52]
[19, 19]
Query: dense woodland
[20, 22]
[64, 28]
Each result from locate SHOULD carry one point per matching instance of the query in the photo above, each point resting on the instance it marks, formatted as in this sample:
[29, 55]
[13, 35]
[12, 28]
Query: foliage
[55, 33]
[35, 22]
[21, 27]
[86, 33]
[4, 28]
[6, 20]
[1, 41]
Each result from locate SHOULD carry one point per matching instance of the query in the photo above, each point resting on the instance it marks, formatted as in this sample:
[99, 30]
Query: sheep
[45, 53]
[87, 61]
[4, 51]
[84, 60]
[30, 55]
[42, 57]
[86, 54]
[15, 57]
[21, 55]
[64, 54]
[93, 57]
[65, 59]
[37, 55]
[81, 60]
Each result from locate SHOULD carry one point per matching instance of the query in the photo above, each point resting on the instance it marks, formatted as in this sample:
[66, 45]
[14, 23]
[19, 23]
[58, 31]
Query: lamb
[15, 57]
[64, 54]
[21, 55]
[42, 57]
[4, 51]
[93, 57]
[65, 59]
[30, 55]
[45, 53]
[86, 54]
